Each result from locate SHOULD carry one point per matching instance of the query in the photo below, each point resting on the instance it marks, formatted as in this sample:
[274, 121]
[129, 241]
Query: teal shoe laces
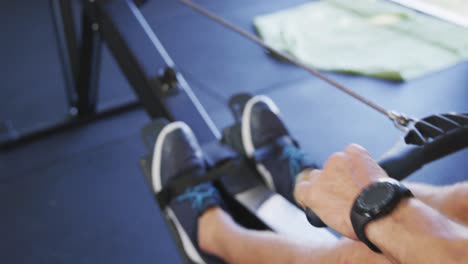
[197, 195]
[295, 158]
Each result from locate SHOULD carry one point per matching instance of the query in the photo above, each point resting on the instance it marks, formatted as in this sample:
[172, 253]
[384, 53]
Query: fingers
[364, 167]
[354, 160]
[307, 175]
[306, 193]
[336, 163]
[300, 192]
[330, 192]
[356, 150]
[303, 184]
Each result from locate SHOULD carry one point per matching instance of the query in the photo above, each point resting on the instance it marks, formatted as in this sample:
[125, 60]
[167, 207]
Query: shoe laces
[197, 195]
[295, 158]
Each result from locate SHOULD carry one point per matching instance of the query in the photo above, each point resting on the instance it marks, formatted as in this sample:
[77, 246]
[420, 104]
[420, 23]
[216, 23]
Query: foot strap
[265, 152]
[220, 159]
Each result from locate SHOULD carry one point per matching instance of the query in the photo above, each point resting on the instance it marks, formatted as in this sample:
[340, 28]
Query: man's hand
[404, 236]
[330, 193]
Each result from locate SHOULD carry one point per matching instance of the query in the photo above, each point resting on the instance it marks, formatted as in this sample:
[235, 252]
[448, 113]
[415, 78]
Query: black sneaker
[177, 154]
[266, 139]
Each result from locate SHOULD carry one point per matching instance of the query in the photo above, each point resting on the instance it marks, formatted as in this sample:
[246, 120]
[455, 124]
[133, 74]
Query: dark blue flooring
[80, 197]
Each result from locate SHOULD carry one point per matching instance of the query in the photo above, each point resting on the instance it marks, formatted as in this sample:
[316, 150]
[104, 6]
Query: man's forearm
[416, 233]
[451, 200]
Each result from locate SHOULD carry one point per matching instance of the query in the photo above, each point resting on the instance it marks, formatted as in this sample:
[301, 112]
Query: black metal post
[67, 44]
[90, 57]
[139, 54]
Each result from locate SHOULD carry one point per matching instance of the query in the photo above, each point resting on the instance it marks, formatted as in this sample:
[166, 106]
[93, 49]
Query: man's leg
[221, 236]
[451, 200]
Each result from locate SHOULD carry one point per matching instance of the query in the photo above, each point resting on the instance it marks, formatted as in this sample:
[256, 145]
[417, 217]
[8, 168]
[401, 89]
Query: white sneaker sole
[247, 136]
[190, 250]
[156, 163]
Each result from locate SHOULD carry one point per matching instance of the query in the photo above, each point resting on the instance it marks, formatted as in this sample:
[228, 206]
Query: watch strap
[359, 221]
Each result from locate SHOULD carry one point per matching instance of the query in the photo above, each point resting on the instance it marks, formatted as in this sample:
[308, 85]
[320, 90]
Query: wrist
[396, 228]
[415, 227]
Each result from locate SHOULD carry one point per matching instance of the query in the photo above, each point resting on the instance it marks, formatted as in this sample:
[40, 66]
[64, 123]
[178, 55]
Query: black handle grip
[313, 218]
[411, 158]
[441, 135]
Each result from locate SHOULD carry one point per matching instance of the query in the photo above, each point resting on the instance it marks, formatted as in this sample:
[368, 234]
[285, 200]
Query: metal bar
[141, 56]
[111, 19]
[192, 118]
[90, 57]
[63, 22]
[67, 124]
[285, 56]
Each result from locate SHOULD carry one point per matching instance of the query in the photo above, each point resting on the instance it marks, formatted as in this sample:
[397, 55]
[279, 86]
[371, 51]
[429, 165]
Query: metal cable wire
[285, 56]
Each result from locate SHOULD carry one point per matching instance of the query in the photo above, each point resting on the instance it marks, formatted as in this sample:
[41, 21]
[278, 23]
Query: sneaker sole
[247, 135]
[189, 249]
[156, 164]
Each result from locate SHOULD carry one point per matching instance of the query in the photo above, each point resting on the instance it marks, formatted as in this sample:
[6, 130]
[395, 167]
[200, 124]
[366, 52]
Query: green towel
[369, 37]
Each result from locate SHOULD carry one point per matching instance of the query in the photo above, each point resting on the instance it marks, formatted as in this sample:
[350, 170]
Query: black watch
[375, 201]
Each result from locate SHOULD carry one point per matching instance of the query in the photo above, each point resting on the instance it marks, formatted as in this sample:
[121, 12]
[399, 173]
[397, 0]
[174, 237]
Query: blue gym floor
[80, 196]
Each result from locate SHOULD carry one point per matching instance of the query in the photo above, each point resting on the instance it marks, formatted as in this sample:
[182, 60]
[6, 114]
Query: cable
[290, 59]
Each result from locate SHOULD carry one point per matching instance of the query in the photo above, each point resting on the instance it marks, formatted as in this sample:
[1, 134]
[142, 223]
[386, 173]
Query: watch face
[374, 198]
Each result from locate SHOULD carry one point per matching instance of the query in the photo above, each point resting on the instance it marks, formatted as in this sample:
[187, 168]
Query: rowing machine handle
[431, 138]
[313, 218]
